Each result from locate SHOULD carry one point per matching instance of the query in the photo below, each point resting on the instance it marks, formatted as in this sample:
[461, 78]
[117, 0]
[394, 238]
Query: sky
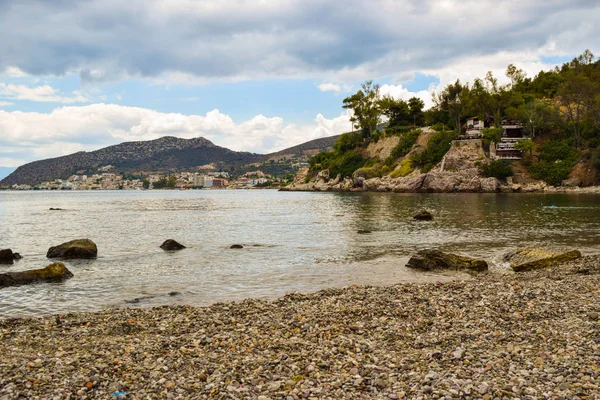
[251, 75]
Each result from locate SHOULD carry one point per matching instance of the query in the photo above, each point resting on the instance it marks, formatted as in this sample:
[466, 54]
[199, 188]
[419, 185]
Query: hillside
[163, 154]
[306, 149]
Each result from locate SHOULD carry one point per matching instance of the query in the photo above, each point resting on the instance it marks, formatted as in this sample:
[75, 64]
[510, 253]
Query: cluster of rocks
[535, 335]
[8, 257]
[432, 182]
[75, 249]
[520, 260]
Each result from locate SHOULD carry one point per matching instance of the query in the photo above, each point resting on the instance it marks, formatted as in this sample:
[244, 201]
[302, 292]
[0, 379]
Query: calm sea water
[293, 241]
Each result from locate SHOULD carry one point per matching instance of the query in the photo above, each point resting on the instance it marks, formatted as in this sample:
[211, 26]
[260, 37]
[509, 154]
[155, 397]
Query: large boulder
[533, 258]
[79, 248]
[7, 256]
[441, 182]
[55, 272]
[571, 182]
[409, 184]
[428, 260]
[171, 245]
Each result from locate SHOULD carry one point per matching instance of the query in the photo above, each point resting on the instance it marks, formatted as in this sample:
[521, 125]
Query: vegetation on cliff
[559, 109]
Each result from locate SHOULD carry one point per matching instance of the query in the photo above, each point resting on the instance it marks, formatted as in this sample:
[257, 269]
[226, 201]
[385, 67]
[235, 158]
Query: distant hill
[163, 154]
[309, 148]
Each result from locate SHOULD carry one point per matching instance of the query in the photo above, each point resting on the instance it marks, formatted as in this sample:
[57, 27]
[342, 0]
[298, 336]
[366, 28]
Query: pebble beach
[533, 335]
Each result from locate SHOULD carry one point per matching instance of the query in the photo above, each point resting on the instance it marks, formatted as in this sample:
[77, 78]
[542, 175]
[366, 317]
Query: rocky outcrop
[55, 272]
[530, 259]
[423, 216]
[171, 245]
[236, 246]
[79, 248]
[429, 260]
[8, 257]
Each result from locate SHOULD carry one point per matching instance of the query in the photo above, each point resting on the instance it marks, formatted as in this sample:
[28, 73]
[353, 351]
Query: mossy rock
[534, 258]
[429, 260]
[55, 272]
[79, 248]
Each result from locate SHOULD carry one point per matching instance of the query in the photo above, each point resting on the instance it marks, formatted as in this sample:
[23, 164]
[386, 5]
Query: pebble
[493, 336]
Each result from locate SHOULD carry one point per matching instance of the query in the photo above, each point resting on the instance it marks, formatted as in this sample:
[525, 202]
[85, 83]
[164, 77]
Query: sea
[292, 241]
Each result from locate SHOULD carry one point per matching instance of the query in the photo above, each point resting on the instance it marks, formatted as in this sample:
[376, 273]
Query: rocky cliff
[456, 173]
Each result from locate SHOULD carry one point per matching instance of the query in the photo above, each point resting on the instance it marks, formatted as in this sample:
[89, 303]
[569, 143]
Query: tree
[146, 183]
[450, 99]
[416, 107]
[526, 146]
[397, 111]
[171, 182]
[365, 108]
[516, 76]
[492, 134]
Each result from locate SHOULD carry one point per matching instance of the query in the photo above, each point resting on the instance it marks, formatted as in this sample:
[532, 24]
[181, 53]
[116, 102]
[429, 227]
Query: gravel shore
[527, 336]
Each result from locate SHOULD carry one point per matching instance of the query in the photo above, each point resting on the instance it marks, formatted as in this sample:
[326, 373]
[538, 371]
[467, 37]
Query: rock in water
[171, 245]
[79, 248]
[533, 258]
[424, 216]
[7, 256]
[427, 260]
[236, 246]
[52, 273]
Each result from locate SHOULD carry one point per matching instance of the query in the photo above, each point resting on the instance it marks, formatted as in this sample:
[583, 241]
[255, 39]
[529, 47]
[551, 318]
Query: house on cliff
[512, 133]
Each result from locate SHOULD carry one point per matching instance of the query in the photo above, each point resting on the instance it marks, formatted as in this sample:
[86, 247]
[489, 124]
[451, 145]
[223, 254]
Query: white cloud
[5, 103]
[329, 87]
[400, 92]
[44, 93]
[13, 72]
[27, 136]
[334, 87]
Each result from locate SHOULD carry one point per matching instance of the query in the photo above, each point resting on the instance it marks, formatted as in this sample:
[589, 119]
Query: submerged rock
[533, 258]
[423, 216]
[171, 245]
[7, 256]
[428, 260]
[236, 246]
[52, 273]
[363, 232]
[79, 248]
[55, 209]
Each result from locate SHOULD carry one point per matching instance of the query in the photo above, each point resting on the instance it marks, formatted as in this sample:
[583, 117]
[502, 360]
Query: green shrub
[439, 127]
[407, 141]
[553, 173]
[348, 141]
[403, 170]
[368, 172]
[346, 164]
[554, 150]
[556, 160]
[437, 147]
[500, 169]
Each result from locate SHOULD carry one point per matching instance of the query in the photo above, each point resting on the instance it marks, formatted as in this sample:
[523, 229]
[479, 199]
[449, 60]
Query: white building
[208, 181]
[198, 180]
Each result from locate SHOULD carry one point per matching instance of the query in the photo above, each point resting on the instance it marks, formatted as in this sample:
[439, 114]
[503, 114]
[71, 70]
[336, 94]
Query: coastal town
[107, 178]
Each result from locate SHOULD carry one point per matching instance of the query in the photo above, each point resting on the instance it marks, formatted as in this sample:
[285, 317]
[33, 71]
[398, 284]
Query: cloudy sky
[254, 75]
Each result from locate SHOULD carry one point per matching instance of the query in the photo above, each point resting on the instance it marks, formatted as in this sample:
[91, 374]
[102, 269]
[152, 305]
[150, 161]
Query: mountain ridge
[162, 154]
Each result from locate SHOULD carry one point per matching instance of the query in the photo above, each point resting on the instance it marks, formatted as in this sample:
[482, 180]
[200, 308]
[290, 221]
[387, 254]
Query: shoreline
[533, 335]
[446, 184]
